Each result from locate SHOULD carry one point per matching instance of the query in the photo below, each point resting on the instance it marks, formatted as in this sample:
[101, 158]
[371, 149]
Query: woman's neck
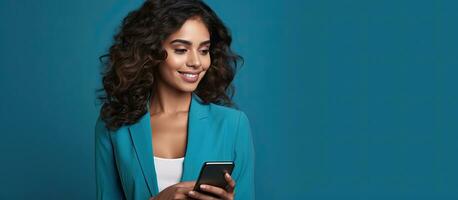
[167, 100]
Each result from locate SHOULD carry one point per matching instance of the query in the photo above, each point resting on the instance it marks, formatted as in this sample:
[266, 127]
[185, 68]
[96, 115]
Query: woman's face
[188, 56]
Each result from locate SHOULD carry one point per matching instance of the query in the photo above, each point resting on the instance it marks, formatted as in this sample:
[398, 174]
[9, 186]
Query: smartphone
[212, 173]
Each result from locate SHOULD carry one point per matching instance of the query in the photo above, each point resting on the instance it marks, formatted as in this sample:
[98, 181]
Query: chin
[188, 88]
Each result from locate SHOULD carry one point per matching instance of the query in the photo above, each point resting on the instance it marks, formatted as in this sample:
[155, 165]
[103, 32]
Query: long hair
[133, 59]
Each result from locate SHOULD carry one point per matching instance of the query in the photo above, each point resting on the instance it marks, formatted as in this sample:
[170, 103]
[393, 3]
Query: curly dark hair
[132, 60]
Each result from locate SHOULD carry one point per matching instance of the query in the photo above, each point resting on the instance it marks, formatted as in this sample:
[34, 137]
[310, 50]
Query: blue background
[347, 99]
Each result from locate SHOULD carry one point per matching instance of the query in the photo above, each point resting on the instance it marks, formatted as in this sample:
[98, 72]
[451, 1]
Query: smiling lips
[190, 77]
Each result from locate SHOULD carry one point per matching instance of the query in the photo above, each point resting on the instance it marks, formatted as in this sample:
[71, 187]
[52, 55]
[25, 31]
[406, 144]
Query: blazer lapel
[198, 126]
[141, 131]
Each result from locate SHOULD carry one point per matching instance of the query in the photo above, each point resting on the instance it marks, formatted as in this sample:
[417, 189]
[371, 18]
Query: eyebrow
[186, 42]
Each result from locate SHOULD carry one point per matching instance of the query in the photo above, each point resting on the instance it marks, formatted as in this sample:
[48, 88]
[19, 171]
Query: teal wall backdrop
[347, 99]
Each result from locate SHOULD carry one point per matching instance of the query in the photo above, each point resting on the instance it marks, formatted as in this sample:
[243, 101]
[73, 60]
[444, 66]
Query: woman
[167, 107]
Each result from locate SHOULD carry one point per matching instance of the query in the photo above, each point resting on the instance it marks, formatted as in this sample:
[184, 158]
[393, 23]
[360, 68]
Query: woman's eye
[205, 52]
[180, 51]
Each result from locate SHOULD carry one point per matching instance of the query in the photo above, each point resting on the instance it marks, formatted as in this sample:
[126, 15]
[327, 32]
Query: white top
[168, 171]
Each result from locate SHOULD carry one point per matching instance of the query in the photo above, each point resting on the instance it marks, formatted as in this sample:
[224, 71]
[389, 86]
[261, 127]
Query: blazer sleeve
[244, 160]
[107, 179]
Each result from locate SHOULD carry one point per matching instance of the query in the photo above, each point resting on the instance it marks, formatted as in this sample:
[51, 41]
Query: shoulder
[219, 111]
[100, 126]
[227, 115]
[102, 132]
[101, 129]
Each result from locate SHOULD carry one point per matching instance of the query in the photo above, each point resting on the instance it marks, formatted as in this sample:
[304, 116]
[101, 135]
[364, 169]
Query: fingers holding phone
[214, 181]
[230, 182]
[217, 192]
[177, 191]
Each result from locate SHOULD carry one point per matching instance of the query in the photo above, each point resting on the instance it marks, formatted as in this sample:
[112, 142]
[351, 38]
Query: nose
[194, 60]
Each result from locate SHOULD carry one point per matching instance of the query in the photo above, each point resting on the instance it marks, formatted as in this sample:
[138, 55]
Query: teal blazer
[124, 158]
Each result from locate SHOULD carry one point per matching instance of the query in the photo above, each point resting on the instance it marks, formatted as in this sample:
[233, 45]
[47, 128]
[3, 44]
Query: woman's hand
[221, 193]
[177, 191]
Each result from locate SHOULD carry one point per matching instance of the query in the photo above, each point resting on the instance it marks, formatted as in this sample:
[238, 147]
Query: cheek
[206, 63]
[206, 66]
[168, 68]
[174, 62]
